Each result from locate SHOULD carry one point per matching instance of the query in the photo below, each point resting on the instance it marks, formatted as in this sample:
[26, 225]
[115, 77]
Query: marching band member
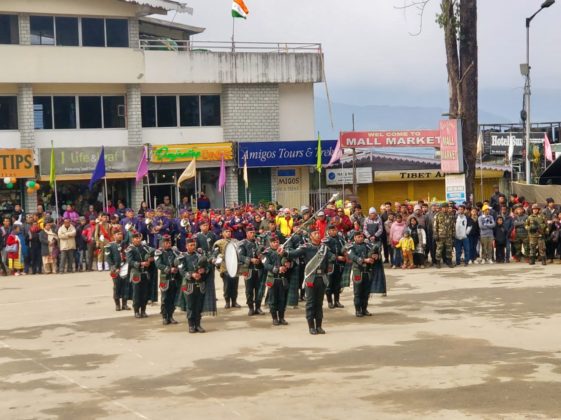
[230, 283]
[249, 258]
[205, 240]
[115, 257]
[277, 283]
[169, 279]
[102, 237]
[140, 258]
[336, 245]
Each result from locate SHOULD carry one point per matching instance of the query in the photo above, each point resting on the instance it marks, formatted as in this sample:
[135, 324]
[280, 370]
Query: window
[210, 110]
[8, 113]
[148, 105]
[9, 29]
[117, 32]
[189, 111]
[90, 111]
[43, 112]
[93, 32]
[113, 111]
[64, 112]
[67, 31]
[42, 30]
[167, 111]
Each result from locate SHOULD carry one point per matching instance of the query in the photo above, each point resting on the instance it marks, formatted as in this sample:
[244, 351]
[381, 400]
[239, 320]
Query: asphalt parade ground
[475, 342]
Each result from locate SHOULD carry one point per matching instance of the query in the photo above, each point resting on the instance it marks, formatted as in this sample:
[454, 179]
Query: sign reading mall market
[408, 138]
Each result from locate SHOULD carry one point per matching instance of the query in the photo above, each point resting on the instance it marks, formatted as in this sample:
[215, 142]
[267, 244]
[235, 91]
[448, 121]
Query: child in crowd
[407, 246]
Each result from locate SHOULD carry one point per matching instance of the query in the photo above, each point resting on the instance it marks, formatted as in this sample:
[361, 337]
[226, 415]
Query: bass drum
[231, 257]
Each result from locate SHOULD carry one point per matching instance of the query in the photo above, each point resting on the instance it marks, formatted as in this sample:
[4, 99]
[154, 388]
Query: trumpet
[184, 223]
[128, 227]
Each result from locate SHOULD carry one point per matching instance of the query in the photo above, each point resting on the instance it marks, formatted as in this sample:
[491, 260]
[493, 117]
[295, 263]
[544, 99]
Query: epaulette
[158, 252]
[129, 248]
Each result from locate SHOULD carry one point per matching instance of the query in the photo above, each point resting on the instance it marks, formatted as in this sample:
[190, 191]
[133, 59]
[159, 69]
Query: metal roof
[173, 25]
[164, 4]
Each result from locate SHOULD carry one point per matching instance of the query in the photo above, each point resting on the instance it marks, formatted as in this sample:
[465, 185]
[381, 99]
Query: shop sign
[17, 163]
[455, 186]
[284, 153]
[345, 176]
[451, 147]
[289, 180]
[499, 142]
[407, 138]
[83, 160]
[426, 175]
[187, 152]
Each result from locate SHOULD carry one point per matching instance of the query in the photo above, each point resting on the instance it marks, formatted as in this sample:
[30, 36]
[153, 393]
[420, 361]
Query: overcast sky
[372, 59]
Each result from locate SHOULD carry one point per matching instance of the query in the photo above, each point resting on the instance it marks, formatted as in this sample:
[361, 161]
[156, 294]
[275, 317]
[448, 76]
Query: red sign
[451, 148]
[408, 138]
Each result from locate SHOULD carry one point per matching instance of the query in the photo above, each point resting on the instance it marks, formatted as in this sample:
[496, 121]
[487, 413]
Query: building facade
[79, 74]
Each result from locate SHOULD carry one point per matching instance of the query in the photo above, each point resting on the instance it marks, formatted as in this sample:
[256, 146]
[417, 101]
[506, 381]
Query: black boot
[235, 304]
[312, 327]
[365, 310]
[275, 319]
[438, 264]
[227, 306]
[198, 327]
[318, 326]
[337, 297]
[251, 311]
[165, 320]
[136, 313]
[544, 262]
[358, 312]
[192, 328]
[124, 305]
[171, 320]
[143, 313]
[258, 310]
[117, 305]
[330, 300]
[282, 321]
[532, 260]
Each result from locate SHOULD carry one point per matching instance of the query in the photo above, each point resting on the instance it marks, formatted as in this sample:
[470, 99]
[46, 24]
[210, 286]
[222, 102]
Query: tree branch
[420, 6]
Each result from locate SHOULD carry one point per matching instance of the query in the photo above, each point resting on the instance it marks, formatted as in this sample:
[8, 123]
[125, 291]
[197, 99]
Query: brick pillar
[134, 33]
[26, 124]
[24, 30]
[134, 126]
[231, 186]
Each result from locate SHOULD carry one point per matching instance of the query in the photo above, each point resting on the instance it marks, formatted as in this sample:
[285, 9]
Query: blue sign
[284, 153]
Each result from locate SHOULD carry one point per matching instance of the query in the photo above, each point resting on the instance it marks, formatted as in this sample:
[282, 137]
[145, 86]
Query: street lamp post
[527, 91]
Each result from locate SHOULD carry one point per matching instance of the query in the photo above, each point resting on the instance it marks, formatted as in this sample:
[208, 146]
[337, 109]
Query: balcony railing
[164, 44]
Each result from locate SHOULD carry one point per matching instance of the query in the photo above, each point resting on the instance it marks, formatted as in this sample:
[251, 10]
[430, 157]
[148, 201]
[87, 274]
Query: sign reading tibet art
[407, 138]
[451, 147]
[84, 160]
[187, 152]
[17, 163]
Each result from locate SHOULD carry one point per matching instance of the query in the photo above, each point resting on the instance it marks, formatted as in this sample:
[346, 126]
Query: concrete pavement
[475, 342]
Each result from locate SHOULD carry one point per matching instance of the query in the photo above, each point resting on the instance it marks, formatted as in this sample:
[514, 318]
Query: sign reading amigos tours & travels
[402, 138]
[84, 160]
[451, 147]
[284, 153]
[17, 163]
[187, 152]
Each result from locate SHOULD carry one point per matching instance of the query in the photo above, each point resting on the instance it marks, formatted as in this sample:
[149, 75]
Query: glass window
[148, 104]
[210, 110]
[9, 29]
[43, 112]
[90, 111]
[167, 111]
[65, 112]
[67, 31]
[8, 113]
[189, 111]
[93, 32]
[117, 32]
[113, 111]
[42, 30]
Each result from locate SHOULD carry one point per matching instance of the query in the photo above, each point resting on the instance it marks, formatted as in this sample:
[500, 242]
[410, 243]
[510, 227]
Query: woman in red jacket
[15, 251]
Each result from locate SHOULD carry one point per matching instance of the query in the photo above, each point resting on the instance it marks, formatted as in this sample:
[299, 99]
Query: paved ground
[477, 342]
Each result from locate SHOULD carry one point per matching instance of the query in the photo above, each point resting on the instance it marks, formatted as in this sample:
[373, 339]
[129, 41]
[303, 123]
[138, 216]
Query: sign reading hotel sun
[451, 147]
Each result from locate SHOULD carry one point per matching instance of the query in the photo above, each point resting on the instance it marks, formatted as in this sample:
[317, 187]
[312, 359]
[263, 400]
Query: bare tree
[458, 19]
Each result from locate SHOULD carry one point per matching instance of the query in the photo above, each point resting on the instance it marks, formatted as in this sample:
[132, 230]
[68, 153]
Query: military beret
[137, 235]
[166, 238]
[116, 230]
[127, 210]
[443, 205]
[190, 241]
[331, 226]
[273, 238]
[250, 228]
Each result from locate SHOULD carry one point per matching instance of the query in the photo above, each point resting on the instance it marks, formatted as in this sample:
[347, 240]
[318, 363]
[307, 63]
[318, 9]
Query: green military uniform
[169, 283]
[277, 283]
[115, 257]
[252, 273]
[193, 289]
[337, 246]
[443, 231]
[520, 236]
[536, 227]
[139, 276]
[362, 276]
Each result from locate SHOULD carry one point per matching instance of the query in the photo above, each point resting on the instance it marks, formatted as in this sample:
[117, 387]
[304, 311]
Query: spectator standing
[67, 238]
[501, 235]
[463, 227]
[16, 249]
[35, 248]
[396, 233]
[486, 226]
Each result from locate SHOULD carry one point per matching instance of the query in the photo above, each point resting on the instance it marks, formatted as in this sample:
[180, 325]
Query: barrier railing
[166, 44]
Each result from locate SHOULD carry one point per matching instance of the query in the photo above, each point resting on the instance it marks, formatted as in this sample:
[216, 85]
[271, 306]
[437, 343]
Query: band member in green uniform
[277, 282]
[140, 257]
[169, 279]
[115, 257]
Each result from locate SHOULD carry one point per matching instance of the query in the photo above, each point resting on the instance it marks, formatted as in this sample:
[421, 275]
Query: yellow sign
[425, 175]
[17, 163]
[186, 152]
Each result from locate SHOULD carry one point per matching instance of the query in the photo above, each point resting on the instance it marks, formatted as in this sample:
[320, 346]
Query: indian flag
[239, 9]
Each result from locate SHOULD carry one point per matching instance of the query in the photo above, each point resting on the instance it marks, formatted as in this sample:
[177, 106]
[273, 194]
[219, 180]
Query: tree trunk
[469, 87]
[452, 60]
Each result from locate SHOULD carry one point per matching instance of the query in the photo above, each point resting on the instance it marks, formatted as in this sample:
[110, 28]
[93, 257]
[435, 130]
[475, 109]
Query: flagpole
[106, 193]
[233, 33]
[56, 193]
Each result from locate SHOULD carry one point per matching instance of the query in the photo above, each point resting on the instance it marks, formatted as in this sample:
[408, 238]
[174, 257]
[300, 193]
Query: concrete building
[79, 74]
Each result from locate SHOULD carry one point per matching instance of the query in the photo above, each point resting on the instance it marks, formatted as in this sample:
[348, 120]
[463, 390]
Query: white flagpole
[106, 194]
[56, 202]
